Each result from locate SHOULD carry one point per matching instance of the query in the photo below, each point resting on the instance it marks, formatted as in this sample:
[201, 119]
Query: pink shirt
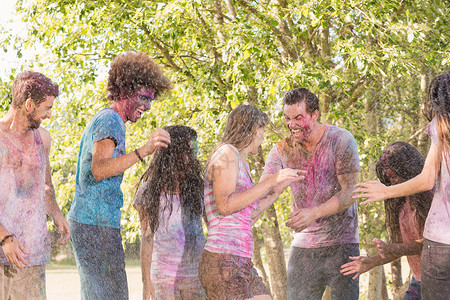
[233, 233]
[179, 240]
[22, 198]
[410, 231]
[437, 225]
[336, 154]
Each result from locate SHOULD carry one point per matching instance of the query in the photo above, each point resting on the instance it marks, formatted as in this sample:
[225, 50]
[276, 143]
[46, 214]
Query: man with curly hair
[94, 218]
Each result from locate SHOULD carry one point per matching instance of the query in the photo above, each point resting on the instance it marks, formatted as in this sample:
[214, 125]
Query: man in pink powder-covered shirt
[324, 216]
[26, 189]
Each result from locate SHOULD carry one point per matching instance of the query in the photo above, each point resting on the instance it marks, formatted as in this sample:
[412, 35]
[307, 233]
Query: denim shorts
[310, 270]
[100, 260]
[435, 273]
[229, 277]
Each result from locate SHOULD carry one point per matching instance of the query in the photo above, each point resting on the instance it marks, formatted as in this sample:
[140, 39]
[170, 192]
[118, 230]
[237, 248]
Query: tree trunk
[275, 254]
[257, 260]
[375, 278]
[375, 274]
[325, 53]
[423, 140]
[325, 101]
[384, 292]
[397, 281]
[274, 246]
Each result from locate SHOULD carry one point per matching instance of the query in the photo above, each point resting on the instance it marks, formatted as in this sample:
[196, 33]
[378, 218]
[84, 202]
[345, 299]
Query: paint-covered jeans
[310, 270]
[100, 260]
[413, 292]
[435, 272]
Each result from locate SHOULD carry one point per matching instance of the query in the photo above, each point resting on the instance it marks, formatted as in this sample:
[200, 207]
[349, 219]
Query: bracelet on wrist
[3, 241]
[138, 155]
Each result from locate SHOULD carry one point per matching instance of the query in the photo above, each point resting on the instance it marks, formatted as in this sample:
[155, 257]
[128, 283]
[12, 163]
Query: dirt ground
[64, 284]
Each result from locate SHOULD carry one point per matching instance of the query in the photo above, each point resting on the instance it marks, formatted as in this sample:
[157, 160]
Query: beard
[33, 123]
[304, 134]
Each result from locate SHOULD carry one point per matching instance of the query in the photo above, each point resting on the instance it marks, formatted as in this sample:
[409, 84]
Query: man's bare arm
[52, 207]
[302, 218]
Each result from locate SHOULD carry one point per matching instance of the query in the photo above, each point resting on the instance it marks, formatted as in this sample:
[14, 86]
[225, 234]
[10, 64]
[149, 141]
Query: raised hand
[158, 138]
[285, 177]
[372, 190]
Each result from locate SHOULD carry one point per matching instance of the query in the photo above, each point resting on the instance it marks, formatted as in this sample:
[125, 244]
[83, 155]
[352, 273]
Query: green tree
[223, 53]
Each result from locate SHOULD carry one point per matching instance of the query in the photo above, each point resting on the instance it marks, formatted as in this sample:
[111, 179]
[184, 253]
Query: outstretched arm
[272, 195]
[362, 264]
[105, 166]
[50, 199]
[388, 253]
[303, 217]
[223, 170]
[376, 191]
[399, 249]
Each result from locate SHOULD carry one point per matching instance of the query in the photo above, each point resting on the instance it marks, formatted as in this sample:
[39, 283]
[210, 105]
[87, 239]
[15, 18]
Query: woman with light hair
[232, 204]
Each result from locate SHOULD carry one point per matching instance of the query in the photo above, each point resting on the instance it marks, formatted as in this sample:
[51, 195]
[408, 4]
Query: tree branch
[356, 91]
[231, 9]
[281, 38]
[417, 133]
[166, 54]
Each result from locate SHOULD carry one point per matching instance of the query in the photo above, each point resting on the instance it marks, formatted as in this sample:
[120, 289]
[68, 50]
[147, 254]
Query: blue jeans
[435, 271]
[310, 270]
[413, 292]
[100, 260]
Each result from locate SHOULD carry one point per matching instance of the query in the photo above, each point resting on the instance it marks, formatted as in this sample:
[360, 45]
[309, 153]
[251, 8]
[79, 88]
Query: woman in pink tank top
[232, 205]
[405, 217]
[436, 249]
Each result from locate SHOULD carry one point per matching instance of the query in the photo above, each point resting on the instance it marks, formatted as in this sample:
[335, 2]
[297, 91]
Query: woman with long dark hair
[170, 204]
[405, 216]
[232, 203]
[436, 249]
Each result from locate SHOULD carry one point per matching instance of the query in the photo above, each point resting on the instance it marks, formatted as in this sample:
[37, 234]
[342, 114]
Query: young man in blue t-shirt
[94, 218]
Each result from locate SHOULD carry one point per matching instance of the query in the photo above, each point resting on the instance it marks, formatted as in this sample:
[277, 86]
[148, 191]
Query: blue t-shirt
[99, 202]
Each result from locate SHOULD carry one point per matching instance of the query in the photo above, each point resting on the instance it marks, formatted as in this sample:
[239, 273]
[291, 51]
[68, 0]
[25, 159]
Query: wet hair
[34, 85]
[173, 170]
[130, 72]
[242, 123]
[405, 162]
[439, 97]
[298, 95]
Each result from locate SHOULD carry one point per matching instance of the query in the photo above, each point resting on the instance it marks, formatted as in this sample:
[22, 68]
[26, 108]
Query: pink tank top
[22, 198]
[233, 233]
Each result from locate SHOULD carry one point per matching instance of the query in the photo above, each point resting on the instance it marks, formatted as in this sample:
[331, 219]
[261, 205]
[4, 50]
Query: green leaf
[246, 54]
